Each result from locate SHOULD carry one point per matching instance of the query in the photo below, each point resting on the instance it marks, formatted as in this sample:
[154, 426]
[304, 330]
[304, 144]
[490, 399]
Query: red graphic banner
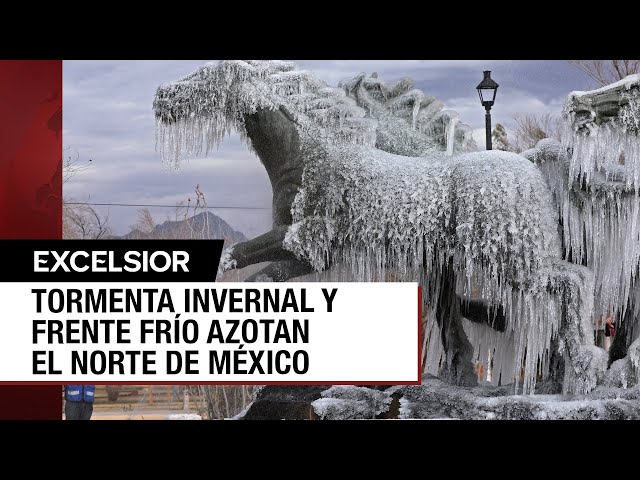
[30, 189]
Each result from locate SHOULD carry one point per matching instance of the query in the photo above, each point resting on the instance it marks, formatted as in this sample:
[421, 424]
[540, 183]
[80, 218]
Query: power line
[163, 206]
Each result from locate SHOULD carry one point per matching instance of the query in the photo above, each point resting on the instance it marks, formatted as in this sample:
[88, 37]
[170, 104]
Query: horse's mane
[213, 101]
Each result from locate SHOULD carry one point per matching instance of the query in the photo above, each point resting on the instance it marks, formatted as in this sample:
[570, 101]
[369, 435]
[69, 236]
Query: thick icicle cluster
[375, 210]
[196, 113]
[595, 180]
[366, 210]
[566, 292]
[600, 225]
[491, 213]
[604, 132]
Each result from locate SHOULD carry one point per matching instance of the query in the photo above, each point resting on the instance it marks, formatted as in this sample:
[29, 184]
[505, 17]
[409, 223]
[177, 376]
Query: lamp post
[487, 89]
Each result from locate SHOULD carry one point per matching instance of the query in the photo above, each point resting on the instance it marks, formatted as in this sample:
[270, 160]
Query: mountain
[203, 225]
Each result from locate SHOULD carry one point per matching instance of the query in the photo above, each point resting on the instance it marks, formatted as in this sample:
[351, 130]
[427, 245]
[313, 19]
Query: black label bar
[111, 260]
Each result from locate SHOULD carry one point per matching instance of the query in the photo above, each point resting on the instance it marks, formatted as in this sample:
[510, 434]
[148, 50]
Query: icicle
[597, 198]
[450, 134]
[603, 130]
[377, 213]
[372, 215]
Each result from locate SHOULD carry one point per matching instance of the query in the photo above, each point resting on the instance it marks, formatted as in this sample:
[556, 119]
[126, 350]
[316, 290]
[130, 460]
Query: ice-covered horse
[370, 179]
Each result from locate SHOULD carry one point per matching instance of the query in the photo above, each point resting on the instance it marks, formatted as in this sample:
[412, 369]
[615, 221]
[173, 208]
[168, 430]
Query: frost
[596, 196]
[184, 416]
[197, 112]
[364, 213]
[435, 399]
[625, 373]
[388, 188]
[603, 128]
[347, 401]
[227, 261]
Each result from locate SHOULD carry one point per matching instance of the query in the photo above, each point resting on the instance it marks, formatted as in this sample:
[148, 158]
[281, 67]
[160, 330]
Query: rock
[284, 402]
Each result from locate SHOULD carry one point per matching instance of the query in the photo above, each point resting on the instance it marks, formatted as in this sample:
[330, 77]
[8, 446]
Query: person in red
[609, 332]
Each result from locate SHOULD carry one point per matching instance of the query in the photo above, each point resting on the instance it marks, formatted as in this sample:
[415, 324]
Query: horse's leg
[458, 350]
[478, 311]
[619, 345]
[265, 248]
[281, 271]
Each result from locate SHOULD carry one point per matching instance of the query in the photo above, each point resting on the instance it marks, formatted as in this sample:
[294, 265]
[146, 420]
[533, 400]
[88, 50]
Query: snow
[626, 83]
[348, 401]
[603, 126]
[625, 373]
[436, 399]
[227, 262]
[184, 416]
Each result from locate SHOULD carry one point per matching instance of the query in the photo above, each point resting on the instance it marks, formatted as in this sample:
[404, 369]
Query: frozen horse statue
[373, 180]
[595, 181]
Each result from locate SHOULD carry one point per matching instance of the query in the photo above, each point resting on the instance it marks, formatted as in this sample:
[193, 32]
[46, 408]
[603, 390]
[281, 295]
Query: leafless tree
[185, 227]
[199, 207]
[217, 402]
[71, 164]
[605, 72]
[145, 223]
[82, 221]
[500, 139]
[180, 212]
[531, 128]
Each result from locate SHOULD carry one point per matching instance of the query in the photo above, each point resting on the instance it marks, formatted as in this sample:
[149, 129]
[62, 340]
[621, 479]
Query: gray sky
[108, 118]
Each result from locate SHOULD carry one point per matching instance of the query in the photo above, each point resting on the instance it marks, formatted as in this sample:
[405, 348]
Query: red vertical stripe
[30, 189]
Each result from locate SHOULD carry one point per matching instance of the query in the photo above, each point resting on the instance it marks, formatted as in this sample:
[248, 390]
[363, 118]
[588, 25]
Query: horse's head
[195, 113]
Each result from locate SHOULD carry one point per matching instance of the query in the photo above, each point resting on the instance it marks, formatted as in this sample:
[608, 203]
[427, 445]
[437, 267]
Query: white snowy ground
[436, 399]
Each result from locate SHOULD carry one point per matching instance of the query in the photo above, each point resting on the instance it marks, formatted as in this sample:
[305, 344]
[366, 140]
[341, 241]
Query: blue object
[80, 393]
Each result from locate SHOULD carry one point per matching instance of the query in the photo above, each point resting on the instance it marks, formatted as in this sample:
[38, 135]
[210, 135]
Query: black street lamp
[487, 89]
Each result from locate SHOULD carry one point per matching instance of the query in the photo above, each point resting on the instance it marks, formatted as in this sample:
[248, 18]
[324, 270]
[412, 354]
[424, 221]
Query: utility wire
[162, 206]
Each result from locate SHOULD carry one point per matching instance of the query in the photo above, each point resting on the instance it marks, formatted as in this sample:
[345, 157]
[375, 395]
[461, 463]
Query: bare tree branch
[71, 164]
[145, 223]
[605, 72]
[531, 128]
[83, 222]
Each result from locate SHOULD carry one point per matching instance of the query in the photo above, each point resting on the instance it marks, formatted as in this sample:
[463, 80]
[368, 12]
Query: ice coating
[594, 179]
[380, 194]
[603, 131]
[600, 222]
[372, 210]
[367, 213]
[450, 135]
[348, 401]
[195, 113]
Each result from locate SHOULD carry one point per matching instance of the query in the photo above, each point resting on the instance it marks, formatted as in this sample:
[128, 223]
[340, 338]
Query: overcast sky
[108, 118]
